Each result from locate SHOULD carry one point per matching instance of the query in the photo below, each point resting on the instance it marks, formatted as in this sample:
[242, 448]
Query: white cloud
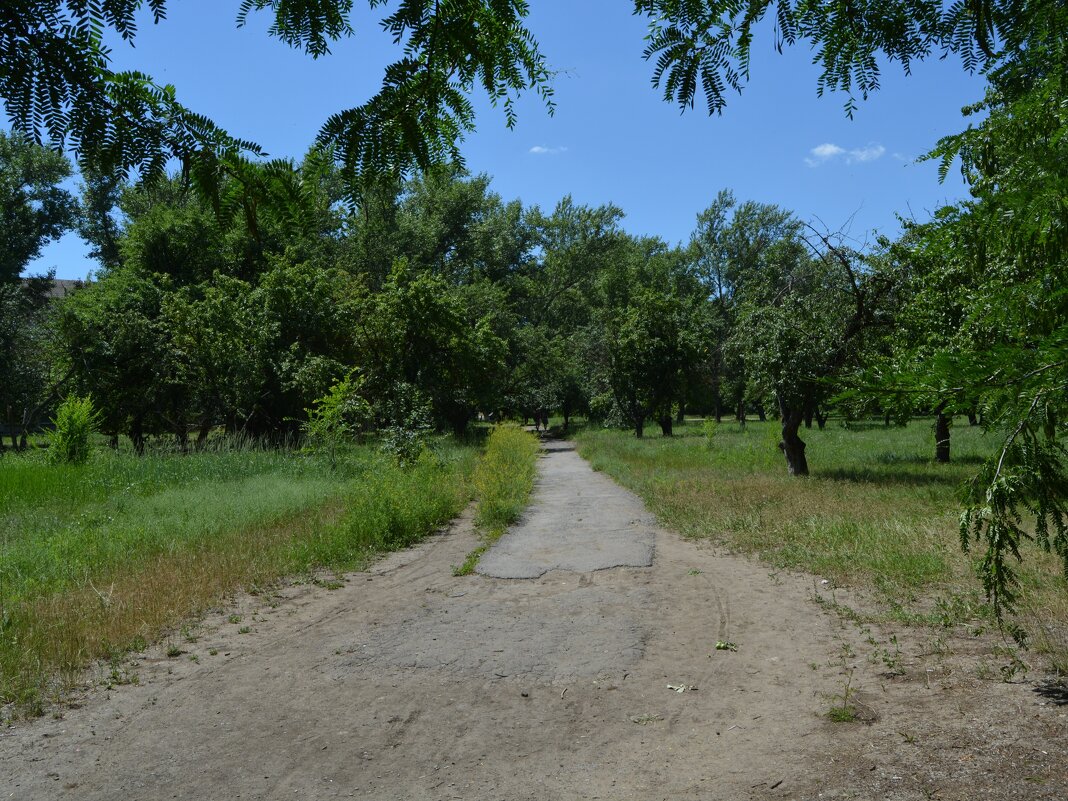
[541, 150]
[869, 153]
[829, 151]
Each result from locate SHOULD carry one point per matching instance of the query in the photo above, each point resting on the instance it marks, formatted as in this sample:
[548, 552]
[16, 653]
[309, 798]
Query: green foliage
[406, 435]
[986, 300]
[59, 84]
[75, 423]
[705, 44]
[337, 417]
[35, 209]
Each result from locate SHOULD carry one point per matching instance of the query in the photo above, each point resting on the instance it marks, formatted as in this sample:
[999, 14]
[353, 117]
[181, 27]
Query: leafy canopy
[58, 84]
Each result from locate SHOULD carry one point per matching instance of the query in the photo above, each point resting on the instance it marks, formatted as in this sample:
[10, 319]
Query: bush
[70, 441]
[708, 429]
[335, 418]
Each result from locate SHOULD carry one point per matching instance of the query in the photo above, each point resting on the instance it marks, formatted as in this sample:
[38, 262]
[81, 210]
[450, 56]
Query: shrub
[76, 421]
[708, 429]
[335, 418]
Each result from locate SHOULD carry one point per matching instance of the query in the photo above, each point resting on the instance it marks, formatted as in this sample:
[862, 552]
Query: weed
[70, 440]
[842, 709]
[694, 572]
[892, 659]
[244, 630]
[234, 619]
[504, 478]
[213, 652]
[470, 562]
[173, 651]
[503, 481]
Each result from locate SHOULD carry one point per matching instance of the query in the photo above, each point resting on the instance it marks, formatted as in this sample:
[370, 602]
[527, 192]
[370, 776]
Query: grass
[103, 558]
[503, 482]
[876, 513]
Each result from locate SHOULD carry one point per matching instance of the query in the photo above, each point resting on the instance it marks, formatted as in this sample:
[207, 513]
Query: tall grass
[100, 558]
[876, 513]
[503, 482]
[504, 478]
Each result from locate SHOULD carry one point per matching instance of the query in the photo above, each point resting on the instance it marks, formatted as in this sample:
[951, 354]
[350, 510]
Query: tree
[417, 334]
[805, 309]
[645, 335]
[113, 349]
[26, 385]
[1007, 252]
[34, 210]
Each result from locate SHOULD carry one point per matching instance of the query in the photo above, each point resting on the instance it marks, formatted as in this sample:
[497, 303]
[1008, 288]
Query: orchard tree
[114, 350]
[646, 334]
[805, 310]
[416, 336]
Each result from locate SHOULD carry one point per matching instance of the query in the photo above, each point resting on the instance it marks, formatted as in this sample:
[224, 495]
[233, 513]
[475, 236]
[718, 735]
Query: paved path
[578, 520]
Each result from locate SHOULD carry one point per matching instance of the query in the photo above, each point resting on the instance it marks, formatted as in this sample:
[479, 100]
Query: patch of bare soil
[409, 683]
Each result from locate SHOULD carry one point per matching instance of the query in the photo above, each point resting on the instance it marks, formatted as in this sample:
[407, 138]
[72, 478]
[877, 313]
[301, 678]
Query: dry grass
[128, 608]
[98, 571]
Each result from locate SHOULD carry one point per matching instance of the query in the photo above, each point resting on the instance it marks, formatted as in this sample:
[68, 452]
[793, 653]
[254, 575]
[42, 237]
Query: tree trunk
[665, 425]
[459, 426]
[202, 435]
[639, 427]
[821, 419]
[680, 417]
[137, 436]
[809, 411]
[740, 413]
[792, 446]
[973, 418]
[886, 420]
[761, 413]
[941, 437]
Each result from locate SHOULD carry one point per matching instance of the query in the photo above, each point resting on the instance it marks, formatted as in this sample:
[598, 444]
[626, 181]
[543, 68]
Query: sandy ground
[575, 683]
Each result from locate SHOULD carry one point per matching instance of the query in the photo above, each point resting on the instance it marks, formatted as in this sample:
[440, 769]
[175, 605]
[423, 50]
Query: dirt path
[409, 683]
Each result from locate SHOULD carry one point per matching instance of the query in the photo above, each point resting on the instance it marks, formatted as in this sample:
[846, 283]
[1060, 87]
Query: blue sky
[612, 138]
